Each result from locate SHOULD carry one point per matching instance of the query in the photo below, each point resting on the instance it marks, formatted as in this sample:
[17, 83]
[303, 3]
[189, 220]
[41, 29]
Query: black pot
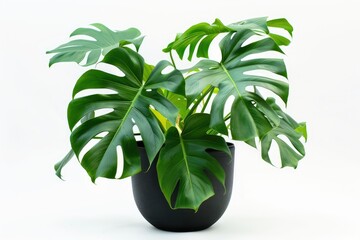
[155, 209]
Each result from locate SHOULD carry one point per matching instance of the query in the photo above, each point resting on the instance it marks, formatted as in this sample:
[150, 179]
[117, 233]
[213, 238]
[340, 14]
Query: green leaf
[102, 41]
[200, 34]
[280, 40]
[290, 129]
[184, 161]
[251, 115]
[131, 106]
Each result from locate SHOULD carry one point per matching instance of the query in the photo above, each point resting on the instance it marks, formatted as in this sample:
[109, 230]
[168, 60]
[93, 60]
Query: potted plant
[170, 125]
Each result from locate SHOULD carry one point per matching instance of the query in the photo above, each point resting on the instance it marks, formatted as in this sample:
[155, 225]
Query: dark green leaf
[202, 34]
[131, 107]
[184, 161]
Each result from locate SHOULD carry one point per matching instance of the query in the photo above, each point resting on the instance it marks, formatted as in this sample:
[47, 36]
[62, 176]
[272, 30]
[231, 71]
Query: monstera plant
[179, 114]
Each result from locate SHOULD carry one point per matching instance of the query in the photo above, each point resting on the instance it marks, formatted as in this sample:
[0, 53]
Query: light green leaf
[302, 129]
[102, 41]
[131, 106]
[184, 161]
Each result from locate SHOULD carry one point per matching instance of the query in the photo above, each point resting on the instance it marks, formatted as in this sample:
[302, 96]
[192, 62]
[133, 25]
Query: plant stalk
[207, 100]
[172, 60]
[196, 104]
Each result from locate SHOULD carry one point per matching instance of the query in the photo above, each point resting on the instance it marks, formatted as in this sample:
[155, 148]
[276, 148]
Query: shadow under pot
[155, 209]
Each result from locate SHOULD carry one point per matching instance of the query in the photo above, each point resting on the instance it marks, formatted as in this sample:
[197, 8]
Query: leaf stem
[177, 123]
[207, 100]
[172, 59]
[196, 104]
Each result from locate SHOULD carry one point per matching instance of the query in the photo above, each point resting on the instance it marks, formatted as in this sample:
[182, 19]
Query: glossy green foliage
[184, 161]
[130, 106]
[180, 119]
[201, 35]
[230, 77]
[102, 41]
[237, 75]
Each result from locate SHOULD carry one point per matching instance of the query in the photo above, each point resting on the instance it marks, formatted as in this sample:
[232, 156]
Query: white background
[319, 200]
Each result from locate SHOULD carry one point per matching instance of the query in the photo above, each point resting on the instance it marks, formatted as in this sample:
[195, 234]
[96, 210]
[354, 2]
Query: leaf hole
[91, 144]
[89, 92]
[102, 112]
[253, 38]
[280, 31]
[167, 70]
[274, 154]
[120, 161]
[229, 102]
[110, 69]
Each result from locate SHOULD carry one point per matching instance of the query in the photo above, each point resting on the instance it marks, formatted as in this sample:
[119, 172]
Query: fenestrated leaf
[202, 35]
[251, 115]
[131, 106]
[293, 131]
[184, 161]
[102, 41]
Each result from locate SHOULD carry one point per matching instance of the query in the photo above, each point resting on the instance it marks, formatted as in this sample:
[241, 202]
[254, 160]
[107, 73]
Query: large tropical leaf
[251, 115]
[201, 35]
[290, 129]
[184, 161]
[102, 41]
[131, 105]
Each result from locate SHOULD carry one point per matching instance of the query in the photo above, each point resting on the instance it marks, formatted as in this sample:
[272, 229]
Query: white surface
[319, 200]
